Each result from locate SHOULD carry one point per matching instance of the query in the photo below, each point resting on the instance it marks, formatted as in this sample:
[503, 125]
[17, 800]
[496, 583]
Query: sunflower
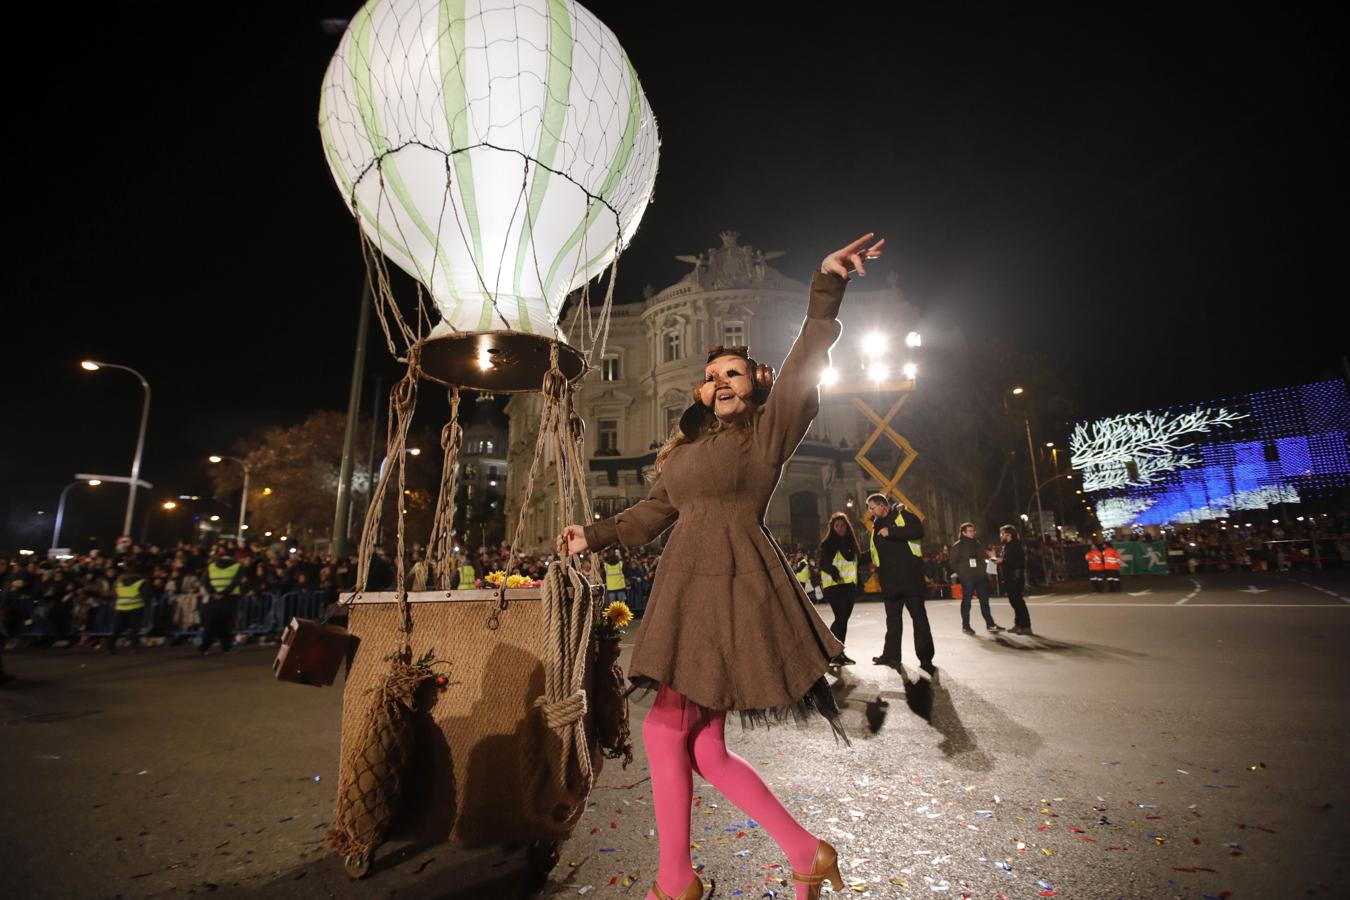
[618, 615]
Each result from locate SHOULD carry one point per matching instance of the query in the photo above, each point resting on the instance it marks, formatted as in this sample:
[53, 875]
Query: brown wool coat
[727, 625]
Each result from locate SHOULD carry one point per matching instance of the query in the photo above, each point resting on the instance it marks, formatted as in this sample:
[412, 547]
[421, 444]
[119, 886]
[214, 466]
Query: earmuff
[698, 413]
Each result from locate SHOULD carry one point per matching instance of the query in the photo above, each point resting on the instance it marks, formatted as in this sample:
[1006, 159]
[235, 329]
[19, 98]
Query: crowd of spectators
[62, 598]
[1249, 544]
[73, 597]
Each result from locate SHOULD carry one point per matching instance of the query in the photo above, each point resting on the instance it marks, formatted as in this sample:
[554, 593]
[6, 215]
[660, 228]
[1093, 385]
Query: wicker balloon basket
[483, 757]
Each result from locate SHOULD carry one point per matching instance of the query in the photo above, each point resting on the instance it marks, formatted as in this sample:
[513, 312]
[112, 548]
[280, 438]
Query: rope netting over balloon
[502, 154]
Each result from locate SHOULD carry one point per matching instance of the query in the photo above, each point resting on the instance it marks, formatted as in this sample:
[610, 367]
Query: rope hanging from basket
[559, 775]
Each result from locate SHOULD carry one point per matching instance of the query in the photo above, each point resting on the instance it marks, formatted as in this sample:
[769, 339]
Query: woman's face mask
[727, 387]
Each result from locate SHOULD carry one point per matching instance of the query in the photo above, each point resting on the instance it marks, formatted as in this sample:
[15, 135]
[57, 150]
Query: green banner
[1142, 557]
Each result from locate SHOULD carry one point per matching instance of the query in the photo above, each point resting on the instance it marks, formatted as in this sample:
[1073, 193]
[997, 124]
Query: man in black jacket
[967, 559]
[1013, 569]
[896, 545]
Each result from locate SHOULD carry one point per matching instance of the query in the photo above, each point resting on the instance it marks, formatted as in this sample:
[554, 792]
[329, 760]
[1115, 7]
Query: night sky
[1152, 199]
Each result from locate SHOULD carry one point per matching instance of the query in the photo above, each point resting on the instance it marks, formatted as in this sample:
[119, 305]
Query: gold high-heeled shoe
[824, 865]
[694, 891]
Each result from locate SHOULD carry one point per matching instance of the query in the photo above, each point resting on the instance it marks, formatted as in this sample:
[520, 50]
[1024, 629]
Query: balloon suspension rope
[402, 404]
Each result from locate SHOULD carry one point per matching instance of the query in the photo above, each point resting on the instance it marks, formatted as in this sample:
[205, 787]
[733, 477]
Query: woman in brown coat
[727, 626]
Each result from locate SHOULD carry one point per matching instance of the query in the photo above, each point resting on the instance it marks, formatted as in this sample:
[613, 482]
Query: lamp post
[243, 502]
[1035, 478]
[61, 506]
[93, 366]
[411, 451]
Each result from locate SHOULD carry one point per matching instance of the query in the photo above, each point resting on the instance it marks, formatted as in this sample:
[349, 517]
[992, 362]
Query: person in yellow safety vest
[801, 568]
[1111, 567]
[130, 591]
[806, 577]
[896, 548]
[467, 575]
[224, 577]
[1096, 567]
[616, 585]
[839, 576]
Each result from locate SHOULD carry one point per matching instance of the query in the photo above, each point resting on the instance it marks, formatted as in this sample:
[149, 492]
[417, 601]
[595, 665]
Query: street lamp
[90, 365]
[61, 506]
[243, 502]
[411, 451]
[1035, 477]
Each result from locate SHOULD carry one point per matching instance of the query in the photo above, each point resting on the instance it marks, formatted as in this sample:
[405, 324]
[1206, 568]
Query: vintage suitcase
[312, 652]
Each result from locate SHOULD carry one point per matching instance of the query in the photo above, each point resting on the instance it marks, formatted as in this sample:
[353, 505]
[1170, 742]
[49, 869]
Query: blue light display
[1204, 461]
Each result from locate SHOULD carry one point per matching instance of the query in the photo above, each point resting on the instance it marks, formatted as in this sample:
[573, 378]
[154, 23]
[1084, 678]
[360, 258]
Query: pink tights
[682, 738]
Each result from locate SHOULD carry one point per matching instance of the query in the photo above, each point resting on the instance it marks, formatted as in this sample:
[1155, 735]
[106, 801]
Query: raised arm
[795, 399]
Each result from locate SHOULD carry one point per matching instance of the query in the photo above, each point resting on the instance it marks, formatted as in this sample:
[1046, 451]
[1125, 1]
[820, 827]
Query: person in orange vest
[1096, 567]
[1111, 565]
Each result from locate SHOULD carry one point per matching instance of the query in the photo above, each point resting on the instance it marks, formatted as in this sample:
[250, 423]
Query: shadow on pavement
[438, 872]
[1036, 642]
[936, 702]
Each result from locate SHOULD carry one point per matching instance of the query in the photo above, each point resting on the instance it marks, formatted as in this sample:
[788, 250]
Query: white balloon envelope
[501, 153]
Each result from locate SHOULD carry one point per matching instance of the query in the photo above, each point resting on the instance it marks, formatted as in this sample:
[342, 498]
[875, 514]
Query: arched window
[672, 343]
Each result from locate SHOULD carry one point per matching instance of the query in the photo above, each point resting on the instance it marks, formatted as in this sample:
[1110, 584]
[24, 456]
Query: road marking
[1191, 595]
[1142, 593]
[1253, 589]
[1061, 600]
[1210, 605]
[1316, 587]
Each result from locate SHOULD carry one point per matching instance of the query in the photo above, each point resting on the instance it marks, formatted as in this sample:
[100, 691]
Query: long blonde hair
[710, 424]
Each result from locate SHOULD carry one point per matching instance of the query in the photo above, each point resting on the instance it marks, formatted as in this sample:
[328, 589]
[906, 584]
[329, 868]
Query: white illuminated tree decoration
[1118, 512]
[1154, 443]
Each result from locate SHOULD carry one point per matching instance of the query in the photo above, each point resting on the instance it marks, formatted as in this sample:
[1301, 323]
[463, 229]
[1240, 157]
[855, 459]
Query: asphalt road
[1179, 739]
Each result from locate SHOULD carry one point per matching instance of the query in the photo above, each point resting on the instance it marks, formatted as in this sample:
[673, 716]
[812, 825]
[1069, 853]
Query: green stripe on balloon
[388, 241]
[455, 101]
[557, 98]
[363, 78]
[621, 157]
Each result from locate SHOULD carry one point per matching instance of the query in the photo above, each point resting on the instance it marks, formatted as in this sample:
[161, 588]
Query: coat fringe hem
[819, 699]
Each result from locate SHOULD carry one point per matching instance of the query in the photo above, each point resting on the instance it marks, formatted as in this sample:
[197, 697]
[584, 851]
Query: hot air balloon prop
[502, 154]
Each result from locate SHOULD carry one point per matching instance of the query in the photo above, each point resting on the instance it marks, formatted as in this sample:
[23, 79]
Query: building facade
[480, 488]
[655, 353]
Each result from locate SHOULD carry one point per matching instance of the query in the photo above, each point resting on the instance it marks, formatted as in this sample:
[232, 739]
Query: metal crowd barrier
[173, 616]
